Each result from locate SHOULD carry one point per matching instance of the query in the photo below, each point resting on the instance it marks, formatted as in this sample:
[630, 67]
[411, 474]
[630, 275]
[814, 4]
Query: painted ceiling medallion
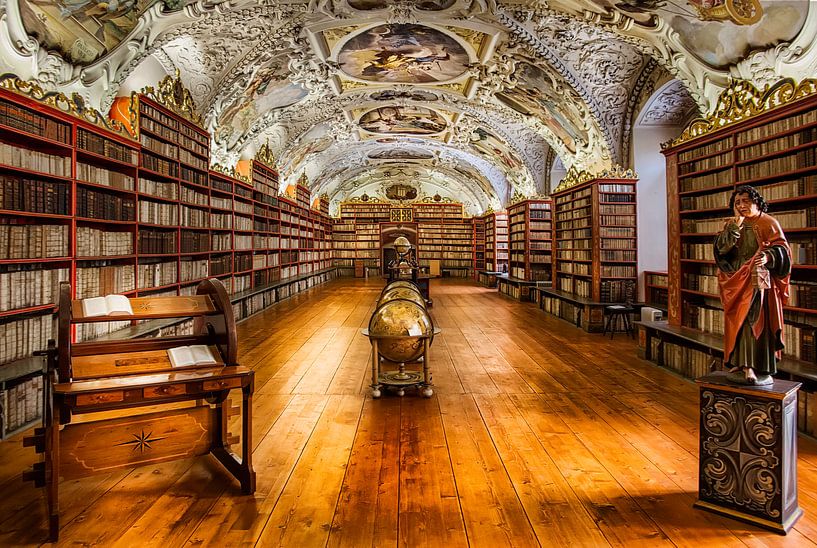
[368, 5]
[401, 192]
[408, 120]
[403, 53]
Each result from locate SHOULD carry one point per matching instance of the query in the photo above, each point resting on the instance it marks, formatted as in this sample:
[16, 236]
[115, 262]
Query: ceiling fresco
[476, 99]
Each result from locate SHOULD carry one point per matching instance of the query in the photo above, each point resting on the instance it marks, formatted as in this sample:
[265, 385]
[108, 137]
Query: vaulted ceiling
[468, 99]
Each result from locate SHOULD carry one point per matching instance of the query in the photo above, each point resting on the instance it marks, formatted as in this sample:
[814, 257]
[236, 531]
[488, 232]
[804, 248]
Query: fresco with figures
[82, 31]
[403, 53]
[534, 96]
[267, 89]
[490, 146]
[401, 154]
[721, 32]
[408, 120]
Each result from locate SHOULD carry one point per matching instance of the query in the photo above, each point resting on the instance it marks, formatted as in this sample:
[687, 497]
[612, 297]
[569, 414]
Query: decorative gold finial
[172, 94]
[303, 180]
[265, 155]
[742, 100]
[230, 172]
[576, 177]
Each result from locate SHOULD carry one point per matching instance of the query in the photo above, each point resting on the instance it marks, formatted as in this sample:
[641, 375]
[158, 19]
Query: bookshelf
[596, 243]
[655, 289]
[444, 237]
[496, 242]
[530, 234]
[479, 243]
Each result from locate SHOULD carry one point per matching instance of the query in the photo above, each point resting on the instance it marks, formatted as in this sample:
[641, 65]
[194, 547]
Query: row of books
[617, 209]
[34, 241]
[707, 319]
[194, 241]
[711, 162]
[803, 294]
[715, 200]
[577, 213]
[222, 242]
[574, 268]
[155, 242]
[159, 189]
[21, 404]
[660, 280]
[618, 255]
[22, 337]
[193, 217]
[612, 291]
[19, 117]
[159, 165]
[104, 279]
[617, 232]
[105, 177]
[808, 135]
[194, 160]
[705, 150]
[778, 126]
[160, 147]
[687, 361]
[562, 309]
[618, 198]
[583, 243]
[612, 243]
[790, 162]
[93, 142]
[617, 188]
[705, 282]
[706, 181]
[157, 274]
[617, 220]
[160, 213]
[94, 204]
[798, 343]
[34, 195]
[93, 242]
[698, 252]
[193, 197]
[610, 271]
[576, 233]
[28, 286]
[574, 255]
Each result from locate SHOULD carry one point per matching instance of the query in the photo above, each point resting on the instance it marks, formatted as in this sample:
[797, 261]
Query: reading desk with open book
[194, 372]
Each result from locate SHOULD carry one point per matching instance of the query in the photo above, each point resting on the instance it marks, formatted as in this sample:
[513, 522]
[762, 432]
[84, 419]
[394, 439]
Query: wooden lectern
[96, 376]
[748, 451]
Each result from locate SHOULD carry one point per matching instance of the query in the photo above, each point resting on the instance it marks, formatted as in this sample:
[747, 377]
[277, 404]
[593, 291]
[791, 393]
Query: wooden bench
[487, 278]
[92, 377]
[582, 312]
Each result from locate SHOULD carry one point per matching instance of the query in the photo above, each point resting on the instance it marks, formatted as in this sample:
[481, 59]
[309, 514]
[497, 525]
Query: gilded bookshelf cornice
[575, 177]
[303, 180]
[230, 172]
[265, 156]
[74, 106]
[742, 100]
[171, 94]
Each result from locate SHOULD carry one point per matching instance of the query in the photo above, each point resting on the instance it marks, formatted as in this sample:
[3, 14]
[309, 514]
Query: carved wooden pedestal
[748, 451]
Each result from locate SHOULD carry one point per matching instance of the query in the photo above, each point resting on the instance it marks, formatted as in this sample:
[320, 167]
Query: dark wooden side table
[748, 451]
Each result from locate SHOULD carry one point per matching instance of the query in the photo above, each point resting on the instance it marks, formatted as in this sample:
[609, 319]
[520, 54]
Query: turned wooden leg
[248, 482]
[375, 370]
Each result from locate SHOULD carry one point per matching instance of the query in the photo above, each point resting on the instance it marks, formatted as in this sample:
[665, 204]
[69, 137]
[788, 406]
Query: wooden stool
[618, 314]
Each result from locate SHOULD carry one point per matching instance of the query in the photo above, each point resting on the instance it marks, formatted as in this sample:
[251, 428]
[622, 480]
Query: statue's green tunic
[734, 246]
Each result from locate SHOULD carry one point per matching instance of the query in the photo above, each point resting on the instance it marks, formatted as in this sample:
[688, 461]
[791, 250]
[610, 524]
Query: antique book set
[86, 379]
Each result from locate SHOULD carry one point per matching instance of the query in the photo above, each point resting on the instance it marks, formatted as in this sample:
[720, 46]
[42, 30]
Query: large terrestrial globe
[402, 245]
[402, 293]
[400, 283]
[398, 325]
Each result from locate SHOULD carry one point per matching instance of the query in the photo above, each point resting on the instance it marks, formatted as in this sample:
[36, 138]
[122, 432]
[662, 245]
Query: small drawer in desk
[100, 398]
[164, 391]
[223, 384]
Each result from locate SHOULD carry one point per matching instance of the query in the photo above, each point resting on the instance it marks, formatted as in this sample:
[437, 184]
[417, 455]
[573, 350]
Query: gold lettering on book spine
[742, 100]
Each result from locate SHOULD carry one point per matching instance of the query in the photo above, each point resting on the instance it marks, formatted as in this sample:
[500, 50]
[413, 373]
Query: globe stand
[401, 379]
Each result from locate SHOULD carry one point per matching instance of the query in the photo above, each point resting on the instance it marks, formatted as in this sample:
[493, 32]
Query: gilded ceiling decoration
[475, 99]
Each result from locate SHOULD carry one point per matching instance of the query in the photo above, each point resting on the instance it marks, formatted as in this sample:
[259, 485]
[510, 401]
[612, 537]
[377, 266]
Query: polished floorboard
[538, 434]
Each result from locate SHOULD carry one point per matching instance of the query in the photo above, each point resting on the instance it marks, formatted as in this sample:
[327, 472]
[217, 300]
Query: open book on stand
[110, 305]
[195, 354]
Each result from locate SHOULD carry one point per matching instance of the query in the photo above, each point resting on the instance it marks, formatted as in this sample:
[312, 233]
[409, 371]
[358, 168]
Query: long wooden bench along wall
[88, 378]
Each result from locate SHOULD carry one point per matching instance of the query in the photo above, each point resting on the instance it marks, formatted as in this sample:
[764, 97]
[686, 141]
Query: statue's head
[748, 196]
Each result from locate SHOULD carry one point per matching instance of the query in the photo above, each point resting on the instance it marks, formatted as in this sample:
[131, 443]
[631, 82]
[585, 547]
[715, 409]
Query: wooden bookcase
[443, 235]
[774, 150]
[530, 234]
[479, 244]
[596, 240]
[496, 242]
[655, 289]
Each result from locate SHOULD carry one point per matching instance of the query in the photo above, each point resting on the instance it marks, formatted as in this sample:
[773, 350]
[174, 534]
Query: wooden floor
[537, 434]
